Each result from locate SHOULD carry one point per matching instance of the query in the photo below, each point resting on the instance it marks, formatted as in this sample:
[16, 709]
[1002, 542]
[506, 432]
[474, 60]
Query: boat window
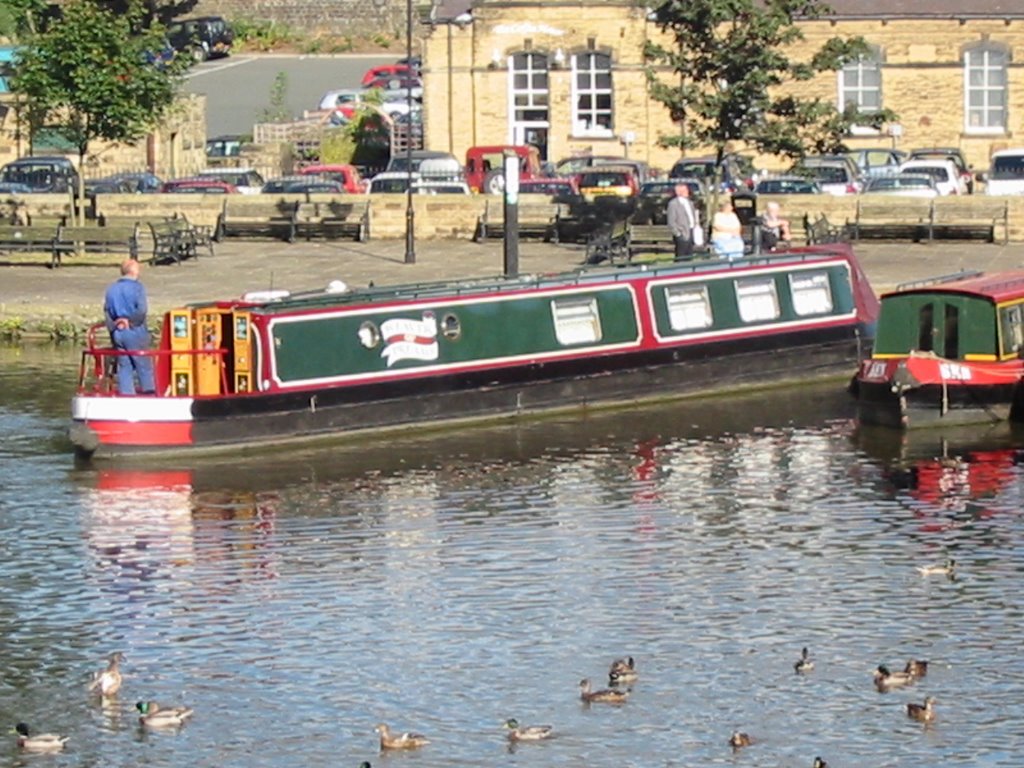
[576, 321]
[450, 327]
[812, 293]
[1013, 330]
[758, 299]
[951, 347]
[924, 328]
[689, 307]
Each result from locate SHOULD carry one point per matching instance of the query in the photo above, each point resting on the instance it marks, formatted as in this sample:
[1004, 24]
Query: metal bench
[176, 239]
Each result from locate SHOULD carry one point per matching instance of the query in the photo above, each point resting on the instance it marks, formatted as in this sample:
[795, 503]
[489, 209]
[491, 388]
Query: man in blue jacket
[125, 311]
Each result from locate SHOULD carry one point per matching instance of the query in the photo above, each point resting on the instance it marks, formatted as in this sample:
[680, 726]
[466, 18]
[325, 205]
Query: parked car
[142, 182]
[195, 185]
[109, 185]
[202, 37]
[392, 182]
[878, 162]
[560, 190]
[903, 184]
[607, 181]
[1006, 174]
[428, 162]
[787, 185]
[654, 197]
[439, 187]
[736, 172]
[398, 84]
[229, 145]
[44, 173]
[948, 153]
[389, 71]
[485, 166]
[246, 180]
[302, 184]
[835, 174]
[343, 173]
[948, 180]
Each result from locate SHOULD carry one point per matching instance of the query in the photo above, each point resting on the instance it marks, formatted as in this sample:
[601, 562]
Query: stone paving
[73, 293]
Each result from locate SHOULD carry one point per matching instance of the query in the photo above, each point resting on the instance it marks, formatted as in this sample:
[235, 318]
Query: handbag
[697, 234]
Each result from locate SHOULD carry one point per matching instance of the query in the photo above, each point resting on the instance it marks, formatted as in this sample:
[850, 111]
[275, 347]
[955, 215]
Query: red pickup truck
[484, 166]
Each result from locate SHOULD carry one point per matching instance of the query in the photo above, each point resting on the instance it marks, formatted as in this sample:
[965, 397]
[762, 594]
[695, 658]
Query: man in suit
[682, 218]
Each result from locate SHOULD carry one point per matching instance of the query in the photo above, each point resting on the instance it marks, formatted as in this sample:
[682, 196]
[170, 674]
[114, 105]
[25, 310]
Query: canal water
[443, 582]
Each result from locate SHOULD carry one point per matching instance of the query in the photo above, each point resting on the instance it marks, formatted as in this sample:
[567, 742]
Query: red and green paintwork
[946, 352]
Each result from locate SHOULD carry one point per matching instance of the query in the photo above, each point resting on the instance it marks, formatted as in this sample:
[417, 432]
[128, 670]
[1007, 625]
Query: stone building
[568, 75]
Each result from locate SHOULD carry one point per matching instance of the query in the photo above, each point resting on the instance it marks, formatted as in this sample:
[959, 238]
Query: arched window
[860, 83]
[985, 89]
[592, 94]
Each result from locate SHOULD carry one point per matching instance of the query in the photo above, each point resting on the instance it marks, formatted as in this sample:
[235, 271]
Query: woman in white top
[726, 237]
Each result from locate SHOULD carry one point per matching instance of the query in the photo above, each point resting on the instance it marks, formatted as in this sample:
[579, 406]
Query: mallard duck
[41, 742]
[924, 713]
[622, 671]
[610, 696]
[885, 679]
[804, 663]
[518, 732]
[739, 739]
[152, 715]
[948, 569]
[916, 668]
[399, 740]
[819, 763]
[108, 681]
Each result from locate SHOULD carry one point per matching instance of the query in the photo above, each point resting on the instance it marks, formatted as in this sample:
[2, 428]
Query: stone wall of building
[340, 17]
[467, 91]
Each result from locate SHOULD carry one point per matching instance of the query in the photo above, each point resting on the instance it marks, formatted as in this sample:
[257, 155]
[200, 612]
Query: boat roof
[996, 286]
[333, 296]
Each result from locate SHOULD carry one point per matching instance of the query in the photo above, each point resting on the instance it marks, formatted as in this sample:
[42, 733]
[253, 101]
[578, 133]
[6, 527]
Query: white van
[1006, 175]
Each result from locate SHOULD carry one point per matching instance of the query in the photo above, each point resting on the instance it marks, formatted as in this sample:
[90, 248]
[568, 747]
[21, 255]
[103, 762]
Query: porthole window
[369, 335]
[451, 327]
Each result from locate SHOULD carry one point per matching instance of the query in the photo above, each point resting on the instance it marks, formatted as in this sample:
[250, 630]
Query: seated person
[726, 232]
[774, 228]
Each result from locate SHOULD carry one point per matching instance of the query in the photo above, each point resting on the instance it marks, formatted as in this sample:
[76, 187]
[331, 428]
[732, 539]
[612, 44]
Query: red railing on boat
[97, 371]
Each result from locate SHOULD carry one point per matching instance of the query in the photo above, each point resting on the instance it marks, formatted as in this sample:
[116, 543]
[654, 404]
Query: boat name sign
[406, 339]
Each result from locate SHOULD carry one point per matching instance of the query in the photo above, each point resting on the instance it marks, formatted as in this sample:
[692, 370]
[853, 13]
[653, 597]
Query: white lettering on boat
[954, 372]
[407, 339]
[875, 369]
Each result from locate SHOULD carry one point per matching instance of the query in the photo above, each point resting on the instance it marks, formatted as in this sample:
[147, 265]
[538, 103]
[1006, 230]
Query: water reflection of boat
[947, 472]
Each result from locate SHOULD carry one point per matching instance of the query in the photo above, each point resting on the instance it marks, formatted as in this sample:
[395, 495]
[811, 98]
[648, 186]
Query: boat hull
[919, 392]
[226, 422]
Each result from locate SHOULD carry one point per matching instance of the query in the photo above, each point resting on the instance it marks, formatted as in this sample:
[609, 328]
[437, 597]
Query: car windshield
[896, 182]
[829, 174]
[700, 170]
[789, 186]
[937, 172]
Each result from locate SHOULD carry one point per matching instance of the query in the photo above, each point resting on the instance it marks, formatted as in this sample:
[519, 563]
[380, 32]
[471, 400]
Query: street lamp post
[410, 213]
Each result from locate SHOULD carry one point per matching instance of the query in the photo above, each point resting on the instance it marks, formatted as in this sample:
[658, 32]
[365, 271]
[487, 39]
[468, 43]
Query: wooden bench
[536, 218]
[969, 217]
[122, 239]
[650, 238]
[257, 216]
[333, 219]
[822, 231]
[35, 238]
[892, 217]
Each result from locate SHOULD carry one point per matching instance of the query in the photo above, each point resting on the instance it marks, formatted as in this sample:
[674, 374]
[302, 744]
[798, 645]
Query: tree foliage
[733, 80]
[91, 75]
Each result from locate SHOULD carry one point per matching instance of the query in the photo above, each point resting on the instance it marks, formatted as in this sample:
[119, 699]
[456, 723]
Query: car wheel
[199, 54]
[494, 183]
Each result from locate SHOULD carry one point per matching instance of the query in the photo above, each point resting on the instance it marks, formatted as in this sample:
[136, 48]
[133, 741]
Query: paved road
[74, 292]
[239, 88]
